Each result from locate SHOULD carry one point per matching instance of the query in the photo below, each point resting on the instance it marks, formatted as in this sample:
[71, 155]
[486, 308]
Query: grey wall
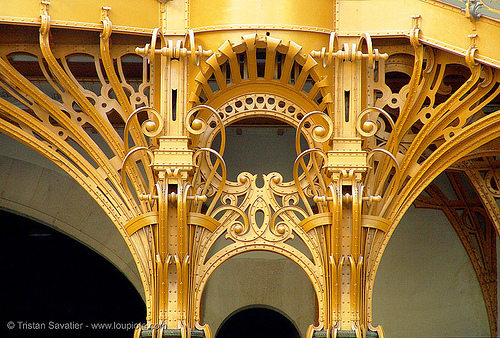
[426, 285]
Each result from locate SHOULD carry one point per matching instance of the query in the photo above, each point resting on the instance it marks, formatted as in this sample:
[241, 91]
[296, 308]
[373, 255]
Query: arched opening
[54, 286]
[257, 321]
[449, 290]
[259, 277]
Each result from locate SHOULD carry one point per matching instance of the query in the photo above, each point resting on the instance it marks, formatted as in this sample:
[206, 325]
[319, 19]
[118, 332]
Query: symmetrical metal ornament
[139, 139]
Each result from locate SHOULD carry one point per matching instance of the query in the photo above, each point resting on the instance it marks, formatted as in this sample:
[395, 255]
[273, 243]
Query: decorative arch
[258, 76]
[261, 60]
[311, 270]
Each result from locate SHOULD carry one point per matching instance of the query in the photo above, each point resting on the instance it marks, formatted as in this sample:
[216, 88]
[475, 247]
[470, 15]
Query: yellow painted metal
[209, 223]
[442, 25]
[278, 14]
[346, 17]
[86, 15]
[141, 221]
[315, 221]
[314, 66]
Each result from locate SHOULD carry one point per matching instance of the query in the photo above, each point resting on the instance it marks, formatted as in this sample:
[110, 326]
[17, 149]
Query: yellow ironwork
[371, 149]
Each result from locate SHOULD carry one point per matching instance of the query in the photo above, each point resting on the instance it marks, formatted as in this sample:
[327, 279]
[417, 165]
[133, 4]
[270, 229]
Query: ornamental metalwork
[380, 119]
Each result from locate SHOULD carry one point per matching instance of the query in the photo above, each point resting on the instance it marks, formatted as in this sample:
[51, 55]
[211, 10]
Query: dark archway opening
[257, 322]
[53, 286]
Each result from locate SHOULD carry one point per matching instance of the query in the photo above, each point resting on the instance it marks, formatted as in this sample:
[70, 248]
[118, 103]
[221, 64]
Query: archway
[259, 277]
[257, 321]
[57, 287]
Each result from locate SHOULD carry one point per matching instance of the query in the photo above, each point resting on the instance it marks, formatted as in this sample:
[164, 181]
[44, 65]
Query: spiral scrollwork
[237, 228]
[276, 184]
[368, 128]
[282, 229]
[276, 180]
[397, 176]
[148, 169]
[320, 132]
[194, 52]
[150, 127]
[229, 199]
[369, 46]
[470, 56]
[196, 125]
[298, 160]
[151, 48]
[492, 182]
[391, 156]
[291, 199]
[107, 26]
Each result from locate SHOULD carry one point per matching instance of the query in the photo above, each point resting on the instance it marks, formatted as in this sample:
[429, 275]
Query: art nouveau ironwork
[381, 119]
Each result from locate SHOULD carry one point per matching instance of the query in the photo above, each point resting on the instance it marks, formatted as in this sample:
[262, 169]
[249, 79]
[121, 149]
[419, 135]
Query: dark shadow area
[257, 323]
[53, 286]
